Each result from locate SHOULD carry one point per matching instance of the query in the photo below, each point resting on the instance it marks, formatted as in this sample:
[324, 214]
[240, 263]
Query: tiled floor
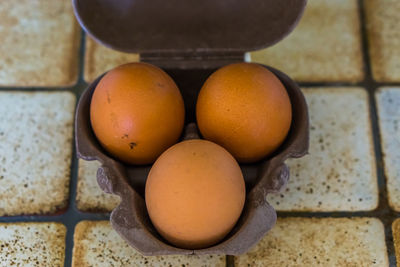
[36, 151]
[320, 242]
[96, 243]
[99, 59]
[388, 102]
[346, 56]
[396, 237]
[32, 244]
[384, 38]
[89, 197]
[325, 47]
[39, 43]
[341, 147]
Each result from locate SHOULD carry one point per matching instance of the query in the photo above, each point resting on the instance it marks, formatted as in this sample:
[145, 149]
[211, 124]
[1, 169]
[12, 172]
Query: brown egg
[137, 112]
[195, 193]
[245, 108]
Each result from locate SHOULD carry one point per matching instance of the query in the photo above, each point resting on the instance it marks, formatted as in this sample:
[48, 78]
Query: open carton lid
[187, 30]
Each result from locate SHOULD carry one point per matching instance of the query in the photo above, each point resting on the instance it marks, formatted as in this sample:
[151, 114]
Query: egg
[137, 112]
[246, 109]
[194, 194]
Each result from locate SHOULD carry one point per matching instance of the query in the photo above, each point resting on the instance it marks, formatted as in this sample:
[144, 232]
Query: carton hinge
[192, 60]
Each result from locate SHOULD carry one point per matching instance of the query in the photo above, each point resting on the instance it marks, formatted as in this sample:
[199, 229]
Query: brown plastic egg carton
[130, 218]
[189, 58]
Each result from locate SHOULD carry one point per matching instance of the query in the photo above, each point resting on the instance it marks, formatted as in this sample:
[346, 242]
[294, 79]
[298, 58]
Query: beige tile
[339, 173]
[383, 27]
[32, 244]
[396, 238]
[388, 103]
[325, 46]
[99, 59]
[97, 244]
[39, 43]
[35, 151]
[89, 196]
[320, 242]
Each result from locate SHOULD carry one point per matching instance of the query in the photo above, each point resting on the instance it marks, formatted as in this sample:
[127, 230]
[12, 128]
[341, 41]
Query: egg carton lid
[188, 33]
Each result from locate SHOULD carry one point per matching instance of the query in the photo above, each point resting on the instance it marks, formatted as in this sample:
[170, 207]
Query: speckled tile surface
[339, 173]
[396, 237]
[89, 196]
[99, 59]
[32, 244]
[388, 103]
[345, 52]
[325, 46]
[384, 38]
[320, 242]
[35, 151]
[97, 244]
[39, 43]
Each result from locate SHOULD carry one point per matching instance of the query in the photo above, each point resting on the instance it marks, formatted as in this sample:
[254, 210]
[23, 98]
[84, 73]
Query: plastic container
[189, 39]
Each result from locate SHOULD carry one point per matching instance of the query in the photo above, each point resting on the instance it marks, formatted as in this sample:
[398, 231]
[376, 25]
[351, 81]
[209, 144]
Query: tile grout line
[69, 242]
[230, 261]
[72, 216]
[386, 214]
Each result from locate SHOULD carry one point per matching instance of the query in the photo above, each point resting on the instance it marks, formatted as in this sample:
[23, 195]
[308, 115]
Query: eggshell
[137, 112]
[246, 109]
[195, 193]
